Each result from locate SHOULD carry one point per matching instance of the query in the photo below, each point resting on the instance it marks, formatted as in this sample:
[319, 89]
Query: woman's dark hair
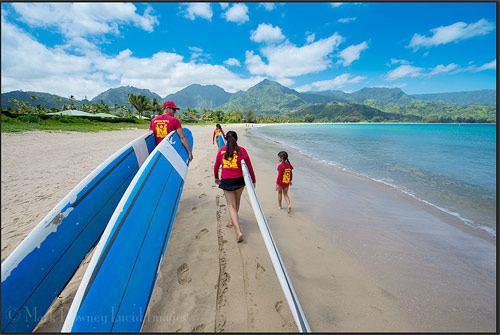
[284, 157]
[231, 145]
[218, 126]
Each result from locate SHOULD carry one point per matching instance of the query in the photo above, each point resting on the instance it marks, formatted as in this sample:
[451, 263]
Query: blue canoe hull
[116, 289]
[43, 263]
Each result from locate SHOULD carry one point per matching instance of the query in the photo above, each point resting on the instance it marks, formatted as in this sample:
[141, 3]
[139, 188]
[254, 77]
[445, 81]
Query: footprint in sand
[183, 276]
[281, 311]
[194, 210]
[198, 328]
[200, 184]
[260, 271]
[201, 233]
[202, 195]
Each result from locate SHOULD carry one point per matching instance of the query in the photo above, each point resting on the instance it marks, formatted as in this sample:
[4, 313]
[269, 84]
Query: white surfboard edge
[272, 249]
[77, 300]
[45, 227]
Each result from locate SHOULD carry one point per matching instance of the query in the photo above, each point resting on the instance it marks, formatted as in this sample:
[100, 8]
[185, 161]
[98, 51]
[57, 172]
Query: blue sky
[82, 49]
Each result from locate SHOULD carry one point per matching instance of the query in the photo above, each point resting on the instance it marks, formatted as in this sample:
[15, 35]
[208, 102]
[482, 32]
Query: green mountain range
[119, 96]
[271, 98]
[481, 97]
[198, 97]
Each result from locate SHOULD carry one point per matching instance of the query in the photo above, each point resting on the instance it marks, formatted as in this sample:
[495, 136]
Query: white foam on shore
[386, 181]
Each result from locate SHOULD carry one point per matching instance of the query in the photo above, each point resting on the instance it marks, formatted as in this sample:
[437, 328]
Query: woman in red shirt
[232, 181]
[284, 178]
[218, 132]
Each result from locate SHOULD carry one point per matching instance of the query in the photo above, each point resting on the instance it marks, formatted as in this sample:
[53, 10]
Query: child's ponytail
[284, 157]
[231, 145]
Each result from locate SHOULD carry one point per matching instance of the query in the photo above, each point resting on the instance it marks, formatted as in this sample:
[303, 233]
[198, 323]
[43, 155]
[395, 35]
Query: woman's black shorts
[232, 184]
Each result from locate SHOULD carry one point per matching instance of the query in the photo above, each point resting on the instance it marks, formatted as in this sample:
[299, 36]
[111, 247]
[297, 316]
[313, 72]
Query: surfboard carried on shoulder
[220, 141]
[114, 293]
[272, 249]
[39, 268]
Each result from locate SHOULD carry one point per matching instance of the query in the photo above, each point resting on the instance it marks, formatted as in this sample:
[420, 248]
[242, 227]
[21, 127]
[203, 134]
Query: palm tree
[34, 98]
[72, 103]
[156, 107]
[59, 100]
[140, 103]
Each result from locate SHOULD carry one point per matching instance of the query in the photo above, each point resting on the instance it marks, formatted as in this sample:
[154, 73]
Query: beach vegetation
[26, 122]
[140, 103]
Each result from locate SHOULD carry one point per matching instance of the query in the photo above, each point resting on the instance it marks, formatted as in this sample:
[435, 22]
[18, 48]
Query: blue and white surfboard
[117, 286]
[220, 141]
[39, 268]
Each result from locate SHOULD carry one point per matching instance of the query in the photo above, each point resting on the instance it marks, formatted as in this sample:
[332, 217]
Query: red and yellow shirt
[284, 175]
[162, 125]
[217, 133]
[231, 168]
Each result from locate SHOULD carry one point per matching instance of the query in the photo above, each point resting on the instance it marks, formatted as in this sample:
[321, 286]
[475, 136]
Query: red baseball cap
[170, 104]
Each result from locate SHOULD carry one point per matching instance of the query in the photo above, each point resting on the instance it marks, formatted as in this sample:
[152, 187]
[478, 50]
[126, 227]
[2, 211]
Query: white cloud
[442, 69]
[399, 61]
[269, 6]
[237, 13]
[337, 82]
[347, 19]
[288, 60]
[232, 62]
[29, 65]
[266, 33]
[488, 66]
[200, 9]
[452, 68]
[453, 33]
[404, 71]
[196, 53]
[310, 37]
[474, 68]
[224, 5]
[84, 19]
[352, 53]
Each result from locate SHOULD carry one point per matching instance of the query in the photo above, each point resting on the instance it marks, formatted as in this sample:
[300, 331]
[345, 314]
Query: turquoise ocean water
[449, 166]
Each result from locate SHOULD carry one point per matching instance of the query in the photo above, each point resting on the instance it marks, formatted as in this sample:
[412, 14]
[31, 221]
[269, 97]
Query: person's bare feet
[230, 224]
[240, 238]
[289, 209]
[279, 207]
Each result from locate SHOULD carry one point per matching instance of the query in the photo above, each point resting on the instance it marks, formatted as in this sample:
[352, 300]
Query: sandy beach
[362, 257]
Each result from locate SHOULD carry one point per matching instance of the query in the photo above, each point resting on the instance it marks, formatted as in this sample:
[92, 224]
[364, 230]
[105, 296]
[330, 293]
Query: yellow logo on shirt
[161, 128]
[231, 162]
[286, 176]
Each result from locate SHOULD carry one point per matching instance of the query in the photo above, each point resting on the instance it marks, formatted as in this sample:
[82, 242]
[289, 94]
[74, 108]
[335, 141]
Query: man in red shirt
[163, 124]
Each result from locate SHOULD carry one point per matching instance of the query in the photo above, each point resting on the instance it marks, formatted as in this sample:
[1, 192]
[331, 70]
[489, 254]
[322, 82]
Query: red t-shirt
[284, 177]
[162, 125]
[218, 132]
[231, 168]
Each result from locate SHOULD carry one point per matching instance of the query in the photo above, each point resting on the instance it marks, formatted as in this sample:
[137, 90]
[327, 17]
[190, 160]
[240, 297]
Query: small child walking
[284, 179]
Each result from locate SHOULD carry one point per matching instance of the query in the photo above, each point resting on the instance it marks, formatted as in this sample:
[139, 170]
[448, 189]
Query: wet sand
[362, 257]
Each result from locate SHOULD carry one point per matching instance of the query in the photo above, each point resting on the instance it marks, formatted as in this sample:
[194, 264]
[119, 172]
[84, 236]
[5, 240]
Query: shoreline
[343, 272]
[469, 225]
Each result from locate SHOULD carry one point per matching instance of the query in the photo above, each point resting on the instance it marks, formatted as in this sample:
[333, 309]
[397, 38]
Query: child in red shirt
[284, 179]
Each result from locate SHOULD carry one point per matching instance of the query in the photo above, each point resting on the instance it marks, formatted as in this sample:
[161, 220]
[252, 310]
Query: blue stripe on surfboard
[121, 284]
[32, 286]
[220, 141]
